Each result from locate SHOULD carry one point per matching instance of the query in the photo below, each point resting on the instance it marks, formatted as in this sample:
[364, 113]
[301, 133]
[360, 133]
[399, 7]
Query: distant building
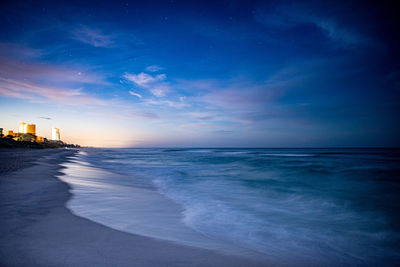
[55, 134]
[27, 128]
[31, 129]
[22, 127]
[27, 133]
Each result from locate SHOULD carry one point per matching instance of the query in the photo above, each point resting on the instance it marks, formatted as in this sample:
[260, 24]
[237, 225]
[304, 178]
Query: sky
[203, 73]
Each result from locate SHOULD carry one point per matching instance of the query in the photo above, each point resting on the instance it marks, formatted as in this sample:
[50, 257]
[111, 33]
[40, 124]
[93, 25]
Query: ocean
[328, 207]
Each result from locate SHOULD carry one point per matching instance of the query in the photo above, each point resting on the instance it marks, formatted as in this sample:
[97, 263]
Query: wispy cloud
[239, 100]
[93, 37]
[45, 118]
[279, 96]
[135, 94]
[155, 84]
[39, 93]
[170, 103]
[18, 51]
[143, 79]
[48, 73]
[159, 90]
[340, 34]
[282, 16]
[34, 89]
[233, 94]
[28, 79]
[154, 68]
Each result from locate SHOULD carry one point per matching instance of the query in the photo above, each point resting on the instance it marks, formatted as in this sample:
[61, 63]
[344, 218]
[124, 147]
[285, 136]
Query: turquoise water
[294, 206]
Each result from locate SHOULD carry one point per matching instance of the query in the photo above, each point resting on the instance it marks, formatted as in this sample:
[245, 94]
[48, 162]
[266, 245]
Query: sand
[36, 229]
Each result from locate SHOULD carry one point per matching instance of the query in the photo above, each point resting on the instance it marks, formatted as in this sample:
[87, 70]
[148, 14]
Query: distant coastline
[10, 143]
[26, 137]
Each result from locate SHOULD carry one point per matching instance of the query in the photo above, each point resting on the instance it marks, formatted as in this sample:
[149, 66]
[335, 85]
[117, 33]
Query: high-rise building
[22, 127]
[25, 128]
[55, 134]
[31, 129]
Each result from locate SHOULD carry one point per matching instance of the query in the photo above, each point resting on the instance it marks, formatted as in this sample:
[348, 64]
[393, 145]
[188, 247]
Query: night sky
[203, 73]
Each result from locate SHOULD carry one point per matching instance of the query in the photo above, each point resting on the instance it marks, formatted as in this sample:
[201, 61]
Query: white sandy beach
[38, 230]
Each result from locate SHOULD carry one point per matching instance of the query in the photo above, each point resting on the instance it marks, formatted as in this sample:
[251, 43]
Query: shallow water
[321, 206]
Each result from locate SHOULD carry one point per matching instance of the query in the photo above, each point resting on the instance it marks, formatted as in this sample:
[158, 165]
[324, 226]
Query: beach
[36, 228]
[199, 207]
[282, 207]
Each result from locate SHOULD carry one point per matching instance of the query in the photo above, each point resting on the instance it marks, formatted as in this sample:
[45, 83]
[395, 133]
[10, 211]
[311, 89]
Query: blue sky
[203, 73]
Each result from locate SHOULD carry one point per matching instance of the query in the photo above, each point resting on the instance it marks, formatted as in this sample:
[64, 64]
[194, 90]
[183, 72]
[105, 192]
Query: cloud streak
[46, 73]
[36, 92]
[154, 84]
[281, 16]
[19, 51]
[93, 37]
[26, 79]
[154, 68]
[135, 94]
[143, 79]
[170, 103]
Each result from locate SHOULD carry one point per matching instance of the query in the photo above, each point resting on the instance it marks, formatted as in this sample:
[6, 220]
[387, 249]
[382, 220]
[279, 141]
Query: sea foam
[326, 207]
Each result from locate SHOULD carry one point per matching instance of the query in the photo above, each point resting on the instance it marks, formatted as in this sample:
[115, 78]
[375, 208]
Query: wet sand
[36, 229]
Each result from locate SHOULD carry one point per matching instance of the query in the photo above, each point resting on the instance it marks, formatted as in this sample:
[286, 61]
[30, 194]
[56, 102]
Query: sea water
[292, 206]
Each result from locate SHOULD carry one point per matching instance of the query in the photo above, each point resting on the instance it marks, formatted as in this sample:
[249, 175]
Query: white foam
[286, 212]
[103, 197]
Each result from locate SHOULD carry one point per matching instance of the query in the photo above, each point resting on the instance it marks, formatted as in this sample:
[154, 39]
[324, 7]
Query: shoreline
[38, 230]
[142, 209]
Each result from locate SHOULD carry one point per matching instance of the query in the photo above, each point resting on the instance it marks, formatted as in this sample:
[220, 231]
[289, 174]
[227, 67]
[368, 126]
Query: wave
[285, 204]
[288, 155]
